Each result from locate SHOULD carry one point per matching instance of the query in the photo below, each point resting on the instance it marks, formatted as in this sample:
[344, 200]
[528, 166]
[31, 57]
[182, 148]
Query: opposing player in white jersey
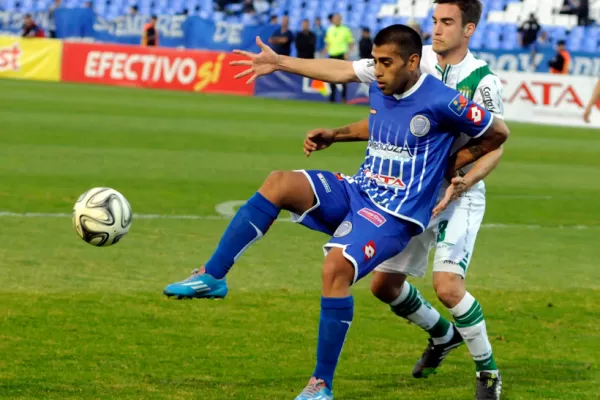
[454, 228]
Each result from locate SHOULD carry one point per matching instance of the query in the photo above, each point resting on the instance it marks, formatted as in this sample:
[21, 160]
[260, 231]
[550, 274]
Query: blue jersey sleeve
[459, 114]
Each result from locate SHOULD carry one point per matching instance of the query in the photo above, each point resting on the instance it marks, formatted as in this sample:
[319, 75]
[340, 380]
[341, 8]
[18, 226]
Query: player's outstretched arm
[267, 62]
[595, 98]
[320, 139]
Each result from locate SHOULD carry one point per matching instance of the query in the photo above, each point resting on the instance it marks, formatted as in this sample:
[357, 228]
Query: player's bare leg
[282, 190]
[337, 311]
[469, 320]
[406, 302]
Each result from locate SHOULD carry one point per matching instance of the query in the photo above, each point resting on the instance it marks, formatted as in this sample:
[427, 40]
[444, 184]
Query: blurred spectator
[52, 18]
[415, 25]
[282, 38]
[274, 20]
[541, 44]
[249, 13]
[338, 43]
[320, 34]
[529, 32]
[31, 29]
[133, 10]
[306, 41]
[365, 46]
[221, 5]
[562, 59]
[583, 13]
[150, 33]
[248, 7]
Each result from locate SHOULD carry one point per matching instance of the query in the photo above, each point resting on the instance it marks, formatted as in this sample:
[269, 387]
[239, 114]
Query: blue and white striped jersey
[409, 146]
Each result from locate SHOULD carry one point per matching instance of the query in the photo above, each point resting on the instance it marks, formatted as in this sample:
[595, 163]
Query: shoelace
[195, 272]
[313, 388]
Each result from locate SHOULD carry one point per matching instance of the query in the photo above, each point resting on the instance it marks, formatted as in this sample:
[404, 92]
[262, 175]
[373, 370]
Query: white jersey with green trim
[472, 77]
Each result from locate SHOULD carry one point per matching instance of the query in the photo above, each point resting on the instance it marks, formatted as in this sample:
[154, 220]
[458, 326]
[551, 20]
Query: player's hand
[457, 187]
[318, 139]
[260, 64]
[586, 114]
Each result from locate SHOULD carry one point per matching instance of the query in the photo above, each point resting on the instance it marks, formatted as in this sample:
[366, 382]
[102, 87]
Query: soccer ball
[102, 216]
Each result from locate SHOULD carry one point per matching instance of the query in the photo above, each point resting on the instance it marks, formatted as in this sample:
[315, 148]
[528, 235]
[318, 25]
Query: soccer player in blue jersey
[372, 215]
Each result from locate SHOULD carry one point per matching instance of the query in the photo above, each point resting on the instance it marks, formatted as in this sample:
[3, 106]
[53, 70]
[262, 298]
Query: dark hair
[561, 43]
[154, 17]
[470, 10]
[366, 29]
[404, 37]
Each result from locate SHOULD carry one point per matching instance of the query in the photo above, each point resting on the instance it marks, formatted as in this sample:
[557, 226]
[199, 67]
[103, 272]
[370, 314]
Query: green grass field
[79, 322]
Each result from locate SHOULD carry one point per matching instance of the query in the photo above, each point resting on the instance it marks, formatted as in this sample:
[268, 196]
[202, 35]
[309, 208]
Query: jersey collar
[446, 71]
[412, 89]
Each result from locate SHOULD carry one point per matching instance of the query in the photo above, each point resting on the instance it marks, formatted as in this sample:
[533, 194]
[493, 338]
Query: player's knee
[387, 287]
[288, 190]
[338, 274]
[272, 186]
[450, 288]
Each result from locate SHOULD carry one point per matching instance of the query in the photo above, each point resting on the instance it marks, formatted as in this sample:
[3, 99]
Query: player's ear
[413, 62]
[469, 29]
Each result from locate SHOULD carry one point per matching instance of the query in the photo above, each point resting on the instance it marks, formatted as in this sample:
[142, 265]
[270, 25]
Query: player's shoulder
[428, 59]
[476, 69]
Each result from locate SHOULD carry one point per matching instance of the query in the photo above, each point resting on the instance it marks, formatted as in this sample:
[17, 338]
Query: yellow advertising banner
[30, 58]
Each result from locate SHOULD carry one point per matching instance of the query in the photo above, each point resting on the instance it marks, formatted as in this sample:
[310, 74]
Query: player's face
[391, 71]
[448, 30]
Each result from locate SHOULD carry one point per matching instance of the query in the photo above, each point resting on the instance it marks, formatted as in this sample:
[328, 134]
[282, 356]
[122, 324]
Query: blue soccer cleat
[316, 390]
[198, 286]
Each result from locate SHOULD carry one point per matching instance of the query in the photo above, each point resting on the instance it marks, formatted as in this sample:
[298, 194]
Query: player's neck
[412, 81]
[453, 57]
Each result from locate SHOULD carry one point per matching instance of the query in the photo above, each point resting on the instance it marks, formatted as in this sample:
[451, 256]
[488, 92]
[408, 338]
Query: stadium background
[81, 322]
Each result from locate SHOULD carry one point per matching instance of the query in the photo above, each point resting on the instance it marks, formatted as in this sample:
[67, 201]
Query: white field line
[222, 217]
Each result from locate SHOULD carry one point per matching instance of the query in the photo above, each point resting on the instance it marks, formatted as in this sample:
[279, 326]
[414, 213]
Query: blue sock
[250, 223]
[336, 317]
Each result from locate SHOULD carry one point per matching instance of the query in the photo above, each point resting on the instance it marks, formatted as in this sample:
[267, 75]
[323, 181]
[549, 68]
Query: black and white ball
[102, 216]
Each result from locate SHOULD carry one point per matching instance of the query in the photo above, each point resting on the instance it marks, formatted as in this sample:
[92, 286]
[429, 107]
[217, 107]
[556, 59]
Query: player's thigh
[413, 260]
[330, 203]
[456, 230]
[289, 190]
[371, 238]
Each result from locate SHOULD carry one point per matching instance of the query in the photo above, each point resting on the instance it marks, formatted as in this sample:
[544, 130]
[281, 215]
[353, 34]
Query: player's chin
[438, 47]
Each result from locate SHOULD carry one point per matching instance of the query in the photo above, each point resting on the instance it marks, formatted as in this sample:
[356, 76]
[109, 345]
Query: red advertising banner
[161, 68]
[552, 99]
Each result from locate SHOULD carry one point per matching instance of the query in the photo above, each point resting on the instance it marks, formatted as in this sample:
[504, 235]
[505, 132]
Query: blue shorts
[368, 235]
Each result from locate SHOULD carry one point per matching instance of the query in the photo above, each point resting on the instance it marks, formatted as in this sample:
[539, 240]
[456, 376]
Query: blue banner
[174, 30]
[197, 33]
[282, 85]
[224, 36]
[520, 60]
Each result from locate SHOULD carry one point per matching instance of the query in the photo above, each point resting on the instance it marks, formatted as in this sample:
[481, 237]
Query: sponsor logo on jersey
[488, 101]
[344, 229]
[458, 105]
[372, 216]
[419, 125]
[324, 182]
[475, 114]
[384, 180]
[388, 151]
[369, 250]
[466, 91]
